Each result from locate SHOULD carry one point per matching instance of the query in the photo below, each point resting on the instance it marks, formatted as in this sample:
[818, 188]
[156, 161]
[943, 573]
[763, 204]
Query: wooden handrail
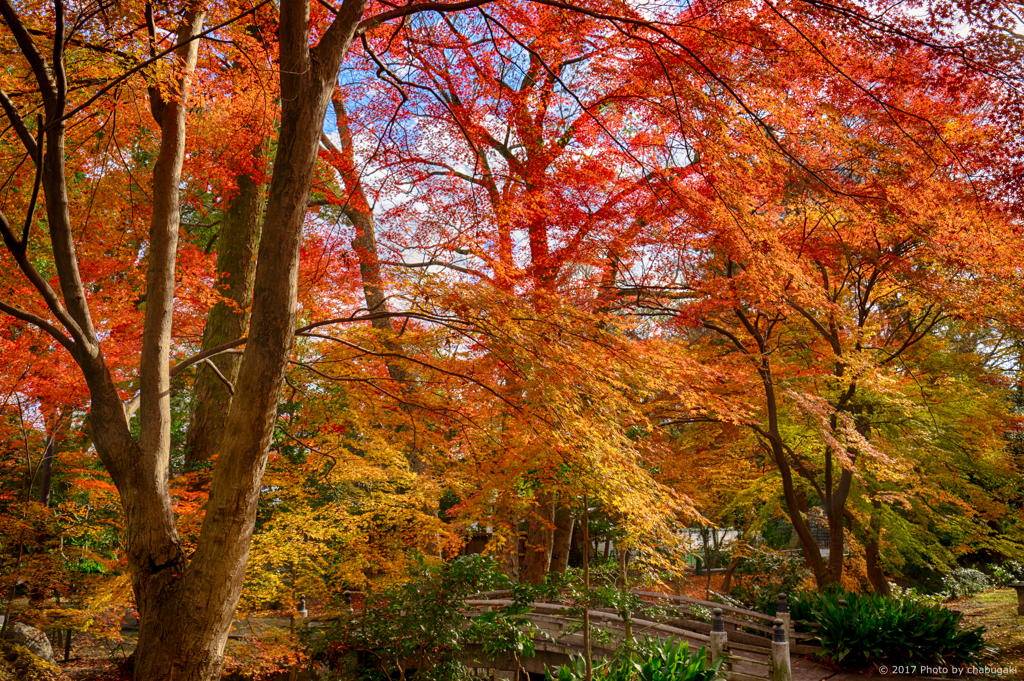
[605, 616]
[707, 604]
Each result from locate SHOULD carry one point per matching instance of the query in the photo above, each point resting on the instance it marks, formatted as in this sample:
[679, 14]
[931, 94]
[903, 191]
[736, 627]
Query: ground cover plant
[861, 631]
[647, 659]
[961, 582]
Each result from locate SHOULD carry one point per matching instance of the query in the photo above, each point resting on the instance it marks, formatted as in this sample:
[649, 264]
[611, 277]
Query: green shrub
[872, 629]
[421, 624]
[651, 659]
[915, 595]
[801, 606]
[666, 660]
[763, 574]
[1009, 572]
[964, 582]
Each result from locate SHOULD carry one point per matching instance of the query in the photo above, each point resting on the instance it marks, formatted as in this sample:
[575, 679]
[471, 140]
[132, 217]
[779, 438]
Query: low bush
[964, 582]
[801, 607]
[870, 629]
[650, 659]
[420, 624]
[916, 595]
[1007, 573]
[763, 574]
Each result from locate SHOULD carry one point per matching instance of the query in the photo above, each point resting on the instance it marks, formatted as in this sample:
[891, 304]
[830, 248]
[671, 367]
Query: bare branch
[429, 365]
[230, 346]
[30, 213]
[374, 21]
[41, 323]
[19, 124]
[40, 284]
[433, 263]
[220, 375]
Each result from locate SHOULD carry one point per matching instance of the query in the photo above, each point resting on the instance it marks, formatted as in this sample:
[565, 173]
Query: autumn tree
[180, 636]
[101, 275]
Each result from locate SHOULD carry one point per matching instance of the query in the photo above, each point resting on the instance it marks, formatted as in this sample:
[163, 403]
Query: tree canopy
[297, 292]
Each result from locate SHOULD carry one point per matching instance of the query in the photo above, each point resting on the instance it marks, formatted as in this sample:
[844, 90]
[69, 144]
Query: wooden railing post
[782, 612]
[719, 637]
[781, 670]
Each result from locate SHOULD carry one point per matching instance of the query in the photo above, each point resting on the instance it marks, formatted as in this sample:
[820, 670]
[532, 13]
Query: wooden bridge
[755, 646]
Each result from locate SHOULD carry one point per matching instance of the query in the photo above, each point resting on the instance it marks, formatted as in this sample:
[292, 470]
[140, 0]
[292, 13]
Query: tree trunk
[185, 618]
[508, 554]
[876, 576]
[808, 546]
[727, 579]
[185, 603]
[236, 250]
[775, 443]
[562, 542]
[359, 212]
[539, 539]
[835, 501]
[836, 547]
[834, 507]
[509, 559]
[46, 465]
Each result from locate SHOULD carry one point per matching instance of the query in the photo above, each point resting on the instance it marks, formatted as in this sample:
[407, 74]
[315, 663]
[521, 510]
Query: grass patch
[996, 610]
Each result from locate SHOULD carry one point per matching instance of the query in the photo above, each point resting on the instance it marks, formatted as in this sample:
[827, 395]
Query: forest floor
[94, 659]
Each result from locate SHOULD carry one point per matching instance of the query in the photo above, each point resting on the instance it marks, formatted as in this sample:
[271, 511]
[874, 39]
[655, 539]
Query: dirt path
[94, 659]
[997, 611]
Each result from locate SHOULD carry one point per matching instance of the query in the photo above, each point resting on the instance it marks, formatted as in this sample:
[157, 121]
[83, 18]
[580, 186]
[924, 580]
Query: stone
[1019, 586]
[781, 668]
[33, 639]
[130, 620]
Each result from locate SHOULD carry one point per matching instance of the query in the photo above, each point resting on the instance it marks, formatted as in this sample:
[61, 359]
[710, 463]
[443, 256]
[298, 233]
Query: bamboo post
[627, 616]
[586, 589]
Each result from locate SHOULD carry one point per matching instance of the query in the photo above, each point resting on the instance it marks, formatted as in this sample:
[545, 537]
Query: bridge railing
[743, 661]
[748, 620]
[733, 632]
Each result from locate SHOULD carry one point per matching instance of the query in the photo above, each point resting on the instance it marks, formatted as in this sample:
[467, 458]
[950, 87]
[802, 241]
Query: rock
[29, 637]
[129, 620]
